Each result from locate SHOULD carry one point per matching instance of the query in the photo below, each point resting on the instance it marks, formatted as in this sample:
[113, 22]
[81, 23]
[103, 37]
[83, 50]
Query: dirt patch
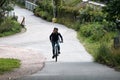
[31, 61]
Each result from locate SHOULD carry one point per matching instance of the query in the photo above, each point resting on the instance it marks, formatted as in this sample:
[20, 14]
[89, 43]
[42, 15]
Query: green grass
[7, 65]
[90, 46]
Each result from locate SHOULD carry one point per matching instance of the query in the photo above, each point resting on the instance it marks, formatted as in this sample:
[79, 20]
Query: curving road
[37, 37]
[74, 63]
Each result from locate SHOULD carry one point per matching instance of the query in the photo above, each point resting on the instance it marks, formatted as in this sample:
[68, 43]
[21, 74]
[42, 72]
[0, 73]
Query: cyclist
[55, 37]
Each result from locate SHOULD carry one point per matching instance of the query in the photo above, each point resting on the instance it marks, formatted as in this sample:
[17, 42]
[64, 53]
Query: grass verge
[7, 65]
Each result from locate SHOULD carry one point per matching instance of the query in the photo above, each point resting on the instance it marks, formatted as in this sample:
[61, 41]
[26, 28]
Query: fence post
[117, 42]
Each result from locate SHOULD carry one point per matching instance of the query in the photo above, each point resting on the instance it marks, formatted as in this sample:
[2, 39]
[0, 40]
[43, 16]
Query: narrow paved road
[37, 37]
[74, 63]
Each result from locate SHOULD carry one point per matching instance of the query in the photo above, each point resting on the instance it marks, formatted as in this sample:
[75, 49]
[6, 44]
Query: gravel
[31, 61]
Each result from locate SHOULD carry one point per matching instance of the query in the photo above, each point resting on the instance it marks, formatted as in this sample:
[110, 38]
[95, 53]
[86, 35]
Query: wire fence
[30, 6]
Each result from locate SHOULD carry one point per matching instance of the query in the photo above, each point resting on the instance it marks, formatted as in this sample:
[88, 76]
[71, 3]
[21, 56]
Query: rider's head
[55, 30]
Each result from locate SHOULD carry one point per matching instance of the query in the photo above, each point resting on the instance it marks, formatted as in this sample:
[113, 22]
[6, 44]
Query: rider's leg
[53, 45]
[58, 47]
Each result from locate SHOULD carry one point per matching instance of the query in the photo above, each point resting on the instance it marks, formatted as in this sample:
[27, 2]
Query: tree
[113, 10]
[57, 4]
[1, 10]
[5, 6]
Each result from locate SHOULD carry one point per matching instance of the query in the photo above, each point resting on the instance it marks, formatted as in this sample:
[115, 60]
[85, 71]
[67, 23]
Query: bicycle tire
[56, 53]
[56, 58]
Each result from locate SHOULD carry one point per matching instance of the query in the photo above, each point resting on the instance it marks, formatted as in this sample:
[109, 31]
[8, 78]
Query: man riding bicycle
[55, 37]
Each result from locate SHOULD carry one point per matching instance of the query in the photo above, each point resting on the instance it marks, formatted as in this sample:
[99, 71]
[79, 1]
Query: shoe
[53, 56]
[59, 52]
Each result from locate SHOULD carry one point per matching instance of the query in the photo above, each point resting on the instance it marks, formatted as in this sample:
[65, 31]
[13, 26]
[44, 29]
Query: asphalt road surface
[74, 62]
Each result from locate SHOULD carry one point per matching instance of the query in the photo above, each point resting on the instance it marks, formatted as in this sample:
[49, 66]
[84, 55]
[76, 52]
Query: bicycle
[56, 51]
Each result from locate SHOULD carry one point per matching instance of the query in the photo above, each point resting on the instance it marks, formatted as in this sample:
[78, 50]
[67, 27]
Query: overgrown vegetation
[20, 3]
[44, 10]
[7, 65]
[95, 30]
[113, 11]
[8, 25]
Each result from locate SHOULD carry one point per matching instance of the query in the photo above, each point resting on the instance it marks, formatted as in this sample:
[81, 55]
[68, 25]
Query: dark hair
[55, 28]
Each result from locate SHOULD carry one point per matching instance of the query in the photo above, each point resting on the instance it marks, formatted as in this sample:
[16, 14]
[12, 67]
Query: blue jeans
[53, 45]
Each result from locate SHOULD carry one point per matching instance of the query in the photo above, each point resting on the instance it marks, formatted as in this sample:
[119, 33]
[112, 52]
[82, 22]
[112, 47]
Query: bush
[109, 26]
[117, 59]
[91, 14]
[76, 26]
[104, 55]
[9, 27]
[44, 11]
[94, 31]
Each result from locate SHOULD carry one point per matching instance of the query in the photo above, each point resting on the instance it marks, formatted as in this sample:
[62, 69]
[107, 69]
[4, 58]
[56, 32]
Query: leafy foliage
[44, 10]
[91, 14]
[90, 23]
[104, 55]
[5, 5]
[113, 9]
[94, 31]
[9, 27]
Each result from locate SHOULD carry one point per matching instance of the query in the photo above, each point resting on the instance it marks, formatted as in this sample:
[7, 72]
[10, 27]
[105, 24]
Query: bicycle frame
[56, 51]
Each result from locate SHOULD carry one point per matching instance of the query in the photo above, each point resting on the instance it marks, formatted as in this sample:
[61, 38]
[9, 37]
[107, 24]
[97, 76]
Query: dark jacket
[54, 37]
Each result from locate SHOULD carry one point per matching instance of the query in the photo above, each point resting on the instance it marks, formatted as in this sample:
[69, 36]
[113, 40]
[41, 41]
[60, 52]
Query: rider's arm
[61, 37]
[50, 37]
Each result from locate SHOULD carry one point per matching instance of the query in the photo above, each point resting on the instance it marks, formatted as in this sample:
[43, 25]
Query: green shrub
[104, 55]
[9, 27]
[44, 6]
[43, 14]
[117, 60]
[109, 26]
[77, 26]
[86, 30]
[91, 14]
[49, 18]
[44, 10]
[94, 31]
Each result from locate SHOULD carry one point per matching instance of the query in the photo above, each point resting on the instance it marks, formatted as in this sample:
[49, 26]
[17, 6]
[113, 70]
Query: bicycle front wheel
[56, 53]
[56, 58]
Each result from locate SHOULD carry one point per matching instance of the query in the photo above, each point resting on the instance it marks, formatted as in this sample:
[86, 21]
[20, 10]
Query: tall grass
[104, 55]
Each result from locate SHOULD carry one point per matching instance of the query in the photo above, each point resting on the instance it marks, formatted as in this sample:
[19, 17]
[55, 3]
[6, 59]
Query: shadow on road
[74, 71]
